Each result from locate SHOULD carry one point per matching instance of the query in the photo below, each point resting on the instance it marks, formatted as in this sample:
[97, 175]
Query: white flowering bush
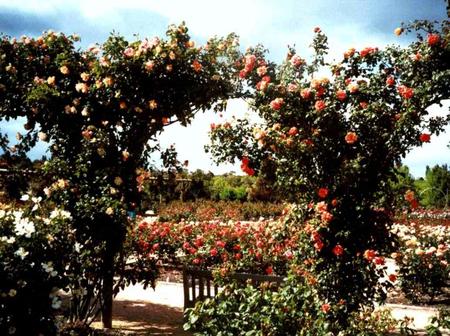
[35, 254]
[423, 260]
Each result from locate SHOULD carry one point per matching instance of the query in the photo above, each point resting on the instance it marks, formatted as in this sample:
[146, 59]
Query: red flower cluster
[425, 137]
[245, 166]
[405, 92]
[433, 39]
[277, 103]
[368, 51]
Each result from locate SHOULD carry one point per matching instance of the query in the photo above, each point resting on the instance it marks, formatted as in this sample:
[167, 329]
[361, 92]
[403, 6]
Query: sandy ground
[149, 312]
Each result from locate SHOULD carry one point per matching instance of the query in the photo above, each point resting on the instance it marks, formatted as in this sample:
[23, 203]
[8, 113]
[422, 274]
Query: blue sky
[275, 24]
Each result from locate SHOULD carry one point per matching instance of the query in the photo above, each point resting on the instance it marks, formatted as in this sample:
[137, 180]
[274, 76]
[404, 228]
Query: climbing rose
[392, 277]
[296, 61]
[129, 52]
[409, 195]
[305, 93]
[351, 138]
[196, 66]
[425, 137]
[349, 53]
[370, 255]
[293, 131]
[390, 81]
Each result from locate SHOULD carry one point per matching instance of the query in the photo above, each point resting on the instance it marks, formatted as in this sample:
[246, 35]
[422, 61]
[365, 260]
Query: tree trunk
[107, 290]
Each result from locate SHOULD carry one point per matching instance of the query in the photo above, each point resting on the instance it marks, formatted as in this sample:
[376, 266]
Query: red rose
[405, 91]
[326, 216]
[379, 260]
[220, 243]
[370, 255]
[305, 93]
[338, 250]
[269, 270]
[392, 277]
[213, 252]
[433, 39]
[293, 131]
[425, 137]
[318, 245]
[326, 308]
[390, 81]
[322, 192]
[277, 103]
[320, 105]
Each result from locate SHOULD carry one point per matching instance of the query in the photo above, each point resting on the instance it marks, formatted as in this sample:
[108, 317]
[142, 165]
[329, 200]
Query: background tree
[433, 189]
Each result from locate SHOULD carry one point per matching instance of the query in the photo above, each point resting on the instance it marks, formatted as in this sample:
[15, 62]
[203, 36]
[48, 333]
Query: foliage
[438, 322]
[293, 309]
[434, 188]
[204, 210]
[334, 143]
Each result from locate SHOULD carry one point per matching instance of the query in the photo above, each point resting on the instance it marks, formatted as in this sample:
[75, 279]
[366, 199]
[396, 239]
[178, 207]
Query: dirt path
[148, 312]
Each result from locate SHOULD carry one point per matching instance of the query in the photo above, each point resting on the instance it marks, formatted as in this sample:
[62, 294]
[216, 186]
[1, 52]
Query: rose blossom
[128, 52]
[64, 70]
[305, 94]
[338, 250]
[277, 103]
[296, 61]
[425, 137]
[351, 138]
[433, 39]
[320, 105]
[322, 192]
[341, 95]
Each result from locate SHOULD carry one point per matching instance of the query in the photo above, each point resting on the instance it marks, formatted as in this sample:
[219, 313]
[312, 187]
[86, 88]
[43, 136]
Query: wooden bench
[199, 285]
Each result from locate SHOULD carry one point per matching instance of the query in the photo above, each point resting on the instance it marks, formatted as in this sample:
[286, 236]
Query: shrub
[423, 261]
[35, 252]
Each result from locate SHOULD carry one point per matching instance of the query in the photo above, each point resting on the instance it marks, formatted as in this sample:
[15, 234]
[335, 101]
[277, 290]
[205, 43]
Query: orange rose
[398, 31]
[341, 95]
[351, 138]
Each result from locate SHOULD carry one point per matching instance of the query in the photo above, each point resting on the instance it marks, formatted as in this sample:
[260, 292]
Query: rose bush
[423, 261]
[264, 247]
[333, 143]
[37, 253]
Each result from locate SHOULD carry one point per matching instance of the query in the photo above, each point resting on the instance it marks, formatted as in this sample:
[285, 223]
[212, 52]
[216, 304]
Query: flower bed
[424, 258]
